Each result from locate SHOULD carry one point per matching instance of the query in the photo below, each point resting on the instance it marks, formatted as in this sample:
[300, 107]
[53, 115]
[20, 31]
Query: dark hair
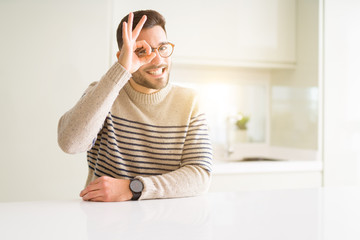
[153, 19]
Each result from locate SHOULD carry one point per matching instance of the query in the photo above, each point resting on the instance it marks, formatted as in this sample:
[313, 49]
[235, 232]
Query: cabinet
[301, 169]
[256, 33]
[238, 33]
[265, 181]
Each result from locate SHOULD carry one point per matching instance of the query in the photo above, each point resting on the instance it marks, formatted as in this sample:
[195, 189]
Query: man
[145, 138]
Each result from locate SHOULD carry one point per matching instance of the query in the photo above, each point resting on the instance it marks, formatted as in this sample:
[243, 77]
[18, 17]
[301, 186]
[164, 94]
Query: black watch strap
[136, 187]
[136, 196]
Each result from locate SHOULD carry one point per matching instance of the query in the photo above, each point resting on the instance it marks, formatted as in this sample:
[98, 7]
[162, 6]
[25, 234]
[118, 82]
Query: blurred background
[278, 80]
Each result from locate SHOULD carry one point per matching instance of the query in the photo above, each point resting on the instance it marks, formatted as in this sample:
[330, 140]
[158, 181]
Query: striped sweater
[161, 139]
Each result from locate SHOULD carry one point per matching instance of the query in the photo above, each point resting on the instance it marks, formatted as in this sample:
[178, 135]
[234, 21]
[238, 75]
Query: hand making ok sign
[127, 56]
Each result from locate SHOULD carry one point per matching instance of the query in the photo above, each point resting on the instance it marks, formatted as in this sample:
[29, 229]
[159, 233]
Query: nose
[157, 59]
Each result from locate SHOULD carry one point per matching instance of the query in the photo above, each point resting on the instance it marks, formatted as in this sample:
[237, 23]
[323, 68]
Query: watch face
[136, 185]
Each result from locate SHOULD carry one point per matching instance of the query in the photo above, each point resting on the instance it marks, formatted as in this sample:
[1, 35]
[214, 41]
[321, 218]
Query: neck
[142, 89]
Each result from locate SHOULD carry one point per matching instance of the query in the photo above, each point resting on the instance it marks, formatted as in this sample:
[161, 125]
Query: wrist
[117, 73]
[128, 194]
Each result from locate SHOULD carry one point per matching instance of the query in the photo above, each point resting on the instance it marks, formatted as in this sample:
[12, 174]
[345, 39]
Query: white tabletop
[322, 214]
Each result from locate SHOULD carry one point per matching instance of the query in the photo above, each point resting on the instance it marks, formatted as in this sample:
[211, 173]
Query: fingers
[143, 45]
[96, 199]
[107, 189]
[128, 33]
[125, 34]
[93, 196]
[92, 192]
[148, 58]
[130, 24]
[95, 190]
[88, 189]
[138, 27]
[93, 186]
[144, 52]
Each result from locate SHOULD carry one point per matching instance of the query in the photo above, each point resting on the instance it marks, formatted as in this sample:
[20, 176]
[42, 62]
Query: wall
[50, 52]
[341, 93]
[225, 92]
[296, 94]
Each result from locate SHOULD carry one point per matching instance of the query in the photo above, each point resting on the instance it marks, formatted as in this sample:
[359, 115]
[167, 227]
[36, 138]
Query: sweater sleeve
[187, 181]
[78, 127]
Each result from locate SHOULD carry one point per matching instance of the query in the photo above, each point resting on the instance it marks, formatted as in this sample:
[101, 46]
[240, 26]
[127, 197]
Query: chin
[151, 83]
[160, 84]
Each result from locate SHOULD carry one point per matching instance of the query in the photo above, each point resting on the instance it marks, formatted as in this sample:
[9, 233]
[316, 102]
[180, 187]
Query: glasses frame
[154, 49]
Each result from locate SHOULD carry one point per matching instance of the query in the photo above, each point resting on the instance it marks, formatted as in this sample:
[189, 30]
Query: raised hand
[127, 56]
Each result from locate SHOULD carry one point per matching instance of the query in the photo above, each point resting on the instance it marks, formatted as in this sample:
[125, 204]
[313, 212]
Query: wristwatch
[136, 187]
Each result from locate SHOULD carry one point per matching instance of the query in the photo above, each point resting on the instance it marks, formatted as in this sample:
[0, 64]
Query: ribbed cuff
[117, 72]
[149, 191]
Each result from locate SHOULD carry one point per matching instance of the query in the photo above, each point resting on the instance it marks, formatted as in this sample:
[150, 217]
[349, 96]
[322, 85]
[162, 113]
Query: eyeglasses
[165, 50]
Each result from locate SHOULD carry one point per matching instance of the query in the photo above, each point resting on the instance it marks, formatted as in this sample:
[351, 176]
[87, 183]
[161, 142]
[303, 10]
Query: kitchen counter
[306, 214]
[275, 159]
[231, 167]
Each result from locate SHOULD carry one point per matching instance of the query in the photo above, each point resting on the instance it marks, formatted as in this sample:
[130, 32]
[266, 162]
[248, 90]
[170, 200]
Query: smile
[156, 71]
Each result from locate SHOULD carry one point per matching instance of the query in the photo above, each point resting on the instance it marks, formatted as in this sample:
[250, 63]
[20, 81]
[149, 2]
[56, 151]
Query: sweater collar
[143, 98]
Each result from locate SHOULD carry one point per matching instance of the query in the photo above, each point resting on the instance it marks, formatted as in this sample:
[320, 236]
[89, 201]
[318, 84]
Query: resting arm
[194, 175]
[187, 181]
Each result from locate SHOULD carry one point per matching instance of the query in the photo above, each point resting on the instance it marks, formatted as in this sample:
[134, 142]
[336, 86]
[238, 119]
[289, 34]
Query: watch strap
[136, 187]
[135, 196]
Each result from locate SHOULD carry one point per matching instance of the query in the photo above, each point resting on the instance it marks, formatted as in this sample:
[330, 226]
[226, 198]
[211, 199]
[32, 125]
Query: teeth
[156, 71]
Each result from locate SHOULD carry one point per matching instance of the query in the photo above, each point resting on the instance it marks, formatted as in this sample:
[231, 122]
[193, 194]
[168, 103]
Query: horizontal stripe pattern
[125, 148]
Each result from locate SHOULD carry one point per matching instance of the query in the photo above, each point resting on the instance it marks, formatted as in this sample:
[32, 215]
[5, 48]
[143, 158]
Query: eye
[163, 47]
[140, 52]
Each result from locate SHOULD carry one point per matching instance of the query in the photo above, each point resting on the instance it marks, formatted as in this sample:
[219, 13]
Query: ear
[118, 55]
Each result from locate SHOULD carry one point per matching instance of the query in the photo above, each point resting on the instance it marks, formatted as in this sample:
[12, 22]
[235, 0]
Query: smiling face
[153, 76]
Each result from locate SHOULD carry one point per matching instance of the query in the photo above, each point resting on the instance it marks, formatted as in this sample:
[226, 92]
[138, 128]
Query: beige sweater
[161, 138]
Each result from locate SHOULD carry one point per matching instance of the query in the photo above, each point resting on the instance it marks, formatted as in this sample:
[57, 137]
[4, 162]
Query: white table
[307, 214]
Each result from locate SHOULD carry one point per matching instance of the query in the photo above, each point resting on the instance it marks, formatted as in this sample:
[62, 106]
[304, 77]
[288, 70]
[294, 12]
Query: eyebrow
[161, 43]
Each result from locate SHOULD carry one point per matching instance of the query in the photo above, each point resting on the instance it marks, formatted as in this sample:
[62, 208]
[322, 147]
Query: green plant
[241, 123]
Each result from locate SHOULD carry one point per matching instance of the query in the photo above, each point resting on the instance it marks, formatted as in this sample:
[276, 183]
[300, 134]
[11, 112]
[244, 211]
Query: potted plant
[241, 126]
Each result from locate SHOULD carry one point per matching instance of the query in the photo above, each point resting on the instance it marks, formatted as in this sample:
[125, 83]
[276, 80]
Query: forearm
[187, 181]
[79, 126]
[194, 175]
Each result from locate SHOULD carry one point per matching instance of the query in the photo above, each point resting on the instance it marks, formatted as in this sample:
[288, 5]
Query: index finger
[138, 27]
[130, 24]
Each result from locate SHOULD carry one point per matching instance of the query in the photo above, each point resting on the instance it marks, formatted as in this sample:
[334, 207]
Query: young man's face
[154, 75]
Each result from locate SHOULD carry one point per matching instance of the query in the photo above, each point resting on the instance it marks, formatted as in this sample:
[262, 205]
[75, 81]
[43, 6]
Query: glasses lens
[165, 50]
